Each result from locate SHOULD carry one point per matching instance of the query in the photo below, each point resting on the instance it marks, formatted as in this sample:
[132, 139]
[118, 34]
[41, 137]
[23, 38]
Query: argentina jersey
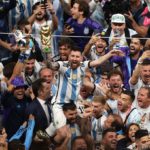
[22, 10]
[69, 82]
[94, 56]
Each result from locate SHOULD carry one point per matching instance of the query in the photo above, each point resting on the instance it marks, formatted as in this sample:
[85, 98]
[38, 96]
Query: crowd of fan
[75, 75]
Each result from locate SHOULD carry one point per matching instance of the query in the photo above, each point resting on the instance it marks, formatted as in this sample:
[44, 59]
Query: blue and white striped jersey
[97, 127]
[69, 82]
[22, 10]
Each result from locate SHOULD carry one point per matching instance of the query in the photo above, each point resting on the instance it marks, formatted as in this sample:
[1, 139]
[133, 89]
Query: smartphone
[12, 39]
[117, 33]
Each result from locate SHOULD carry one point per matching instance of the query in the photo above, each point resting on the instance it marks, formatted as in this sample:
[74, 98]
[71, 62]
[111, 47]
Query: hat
[117, 18]
[18, 82]
[36, 1]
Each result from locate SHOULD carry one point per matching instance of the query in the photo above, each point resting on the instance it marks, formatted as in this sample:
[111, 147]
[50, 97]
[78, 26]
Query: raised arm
[31, 19]
[88, 46]
[66, 7]
[102, 59]
[136, 73]
[49, 7]
[142, 30]
[87, 82]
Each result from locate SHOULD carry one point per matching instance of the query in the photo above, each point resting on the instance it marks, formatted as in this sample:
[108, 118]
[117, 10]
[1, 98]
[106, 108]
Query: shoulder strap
[127, 34]
[128, 115]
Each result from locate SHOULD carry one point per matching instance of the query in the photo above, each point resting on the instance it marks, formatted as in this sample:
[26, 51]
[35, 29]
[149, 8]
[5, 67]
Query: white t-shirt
[145, 118]
[123, 41]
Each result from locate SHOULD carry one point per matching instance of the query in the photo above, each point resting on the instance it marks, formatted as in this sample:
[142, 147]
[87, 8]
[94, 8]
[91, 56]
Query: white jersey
[69, 82]
[113, 105]
[30, 79]
[98, 127]
[130, 117]
[94, 56]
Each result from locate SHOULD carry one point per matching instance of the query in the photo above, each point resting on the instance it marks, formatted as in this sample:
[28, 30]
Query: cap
[36, 1]
[117, 18]
[18, 82]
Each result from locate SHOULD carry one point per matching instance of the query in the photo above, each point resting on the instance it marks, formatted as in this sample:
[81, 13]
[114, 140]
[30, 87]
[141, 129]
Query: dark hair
[66, 41]
[69, 106]
[141, 39]
[146, 62]
[76, 48]
[35, 7]
[129, 93]
[117, 124]
[32, 55]
[22, 23]
[127, 129]
[83, 6]
[115, 72]
[16, 145]
[36, 4]
[8, 69]
[37, 86]
[146, 48]
[75, 139]
[140, 133]
[108, 130]
[41, 145]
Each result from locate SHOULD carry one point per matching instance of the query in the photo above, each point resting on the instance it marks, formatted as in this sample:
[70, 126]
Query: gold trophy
[46, 41]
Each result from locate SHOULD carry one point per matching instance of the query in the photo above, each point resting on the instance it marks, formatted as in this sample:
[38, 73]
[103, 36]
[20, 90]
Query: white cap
[36, 1]
[117, 18]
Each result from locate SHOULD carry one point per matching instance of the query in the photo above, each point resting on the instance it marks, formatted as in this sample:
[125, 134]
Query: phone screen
[12, 40]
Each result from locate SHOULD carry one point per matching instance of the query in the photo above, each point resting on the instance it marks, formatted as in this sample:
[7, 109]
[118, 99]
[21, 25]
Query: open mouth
[100, 46]
[74, 63]
[116, 87]
[114, 142]
[132, 49]
[146, 77]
